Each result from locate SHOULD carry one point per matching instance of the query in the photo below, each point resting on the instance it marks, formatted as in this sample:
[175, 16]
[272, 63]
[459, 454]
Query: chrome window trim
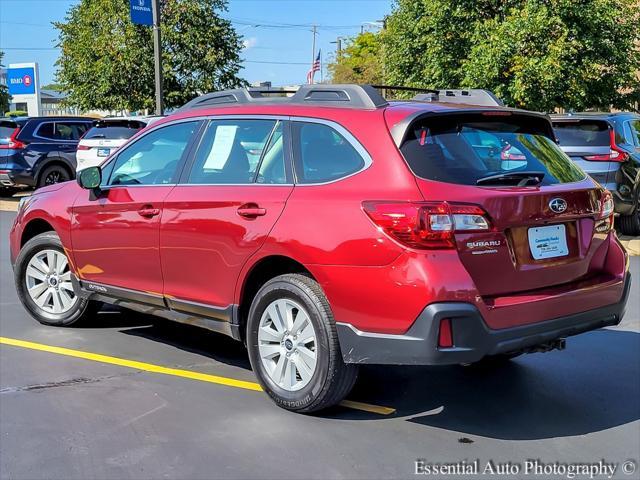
[35, 132]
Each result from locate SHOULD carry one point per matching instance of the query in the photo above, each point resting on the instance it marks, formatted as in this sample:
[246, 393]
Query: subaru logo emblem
[558, 205]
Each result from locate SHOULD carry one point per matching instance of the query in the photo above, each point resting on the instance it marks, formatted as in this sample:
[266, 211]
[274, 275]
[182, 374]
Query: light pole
[157, 53]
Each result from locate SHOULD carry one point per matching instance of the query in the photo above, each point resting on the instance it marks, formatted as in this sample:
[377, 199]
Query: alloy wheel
[287, 344]
[48, 280]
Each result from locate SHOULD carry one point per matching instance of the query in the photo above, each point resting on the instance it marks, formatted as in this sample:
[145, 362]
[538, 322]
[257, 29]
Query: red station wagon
[328, 227]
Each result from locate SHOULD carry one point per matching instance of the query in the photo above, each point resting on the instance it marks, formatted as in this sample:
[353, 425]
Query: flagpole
[313, 51]
[321, 64]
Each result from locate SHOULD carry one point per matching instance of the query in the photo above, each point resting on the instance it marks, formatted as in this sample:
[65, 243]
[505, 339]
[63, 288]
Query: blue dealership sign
[21, 81]
[141, 12]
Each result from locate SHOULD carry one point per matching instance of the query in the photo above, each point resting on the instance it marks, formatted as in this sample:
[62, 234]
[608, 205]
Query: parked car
[42, 151]
[607, 147]
[331, 228]
[9, 128]
[106, 136]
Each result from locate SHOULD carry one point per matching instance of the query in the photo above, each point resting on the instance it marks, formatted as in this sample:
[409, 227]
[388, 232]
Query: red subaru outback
[329, 228]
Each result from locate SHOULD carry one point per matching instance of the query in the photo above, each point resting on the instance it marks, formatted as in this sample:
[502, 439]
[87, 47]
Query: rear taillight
[507, 154]
[426, 225]
[13, 143]
[615, 153]
[83, 147]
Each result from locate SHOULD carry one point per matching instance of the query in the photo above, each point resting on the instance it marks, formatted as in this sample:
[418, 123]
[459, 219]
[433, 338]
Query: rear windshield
[6, 130]
[114, 131]
[592, 133]
[466, 149]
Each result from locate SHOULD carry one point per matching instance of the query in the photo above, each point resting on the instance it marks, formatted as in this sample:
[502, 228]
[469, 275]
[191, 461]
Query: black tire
[630, 224]
[332, 379]
[53, 174]
[82, 308]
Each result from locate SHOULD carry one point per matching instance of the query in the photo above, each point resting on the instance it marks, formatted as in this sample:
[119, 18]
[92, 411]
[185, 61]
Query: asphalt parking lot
[63, 415]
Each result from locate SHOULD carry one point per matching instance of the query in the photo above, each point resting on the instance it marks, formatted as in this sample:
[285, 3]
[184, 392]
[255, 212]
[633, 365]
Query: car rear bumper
[472, 338]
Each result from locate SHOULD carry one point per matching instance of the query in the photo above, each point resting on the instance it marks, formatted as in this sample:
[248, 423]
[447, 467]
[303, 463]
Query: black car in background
[39, 151]
[607, 147]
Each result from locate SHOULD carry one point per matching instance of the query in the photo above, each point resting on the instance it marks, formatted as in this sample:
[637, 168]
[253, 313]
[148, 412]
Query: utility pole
[157, 53]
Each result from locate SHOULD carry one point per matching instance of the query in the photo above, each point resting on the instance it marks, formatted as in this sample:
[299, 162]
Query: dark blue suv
[39, 151]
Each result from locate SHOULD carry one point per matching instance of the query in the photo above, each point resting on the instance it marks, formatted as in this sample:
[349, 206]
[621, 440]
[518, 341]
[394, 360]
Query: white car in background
[106, 136]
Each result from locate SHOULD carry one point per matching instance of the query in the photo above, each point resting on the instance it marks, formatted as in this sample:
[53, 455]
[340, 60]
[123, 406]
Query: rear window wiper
[523, 179]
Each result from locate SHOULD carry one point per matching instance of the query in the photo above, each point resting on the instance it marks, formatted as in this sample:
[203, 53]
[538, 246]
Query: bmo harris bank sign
[21, 81]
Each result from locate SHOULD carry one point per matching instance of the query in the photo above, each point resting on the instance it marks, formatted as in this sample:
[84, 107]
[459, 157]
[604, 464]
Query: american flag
[315, 67]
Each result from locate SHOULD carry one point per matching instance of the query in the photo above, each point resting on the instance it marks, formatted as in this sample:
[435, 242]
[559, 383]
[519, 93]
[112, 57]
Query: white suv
[105, 137]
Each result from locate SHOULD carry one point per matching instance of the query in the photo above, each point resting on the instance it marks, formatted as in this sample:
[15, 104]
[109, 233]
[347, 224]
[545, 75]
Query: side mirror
[90, 178]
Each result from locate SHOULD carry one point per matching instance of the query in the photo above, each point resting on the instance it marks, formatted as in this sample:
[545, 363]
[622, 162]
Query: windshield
[113, 131]
[465, 148]
[592, 133]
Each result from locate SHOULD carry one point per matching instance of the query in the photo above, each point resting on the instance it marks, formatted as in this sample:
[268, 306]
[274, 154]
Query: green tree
[359, 62]
[4, 92]
[537, 54]
[106, 62]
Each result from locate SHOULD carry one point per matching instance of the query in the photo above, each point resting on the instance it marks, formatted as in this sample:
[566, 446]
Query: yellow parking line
[176, 372]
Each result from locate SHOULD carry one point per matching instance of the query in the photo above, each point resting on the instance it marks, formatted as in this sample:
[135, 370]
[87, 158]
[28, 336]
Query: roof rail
[349, 96]
[473, 96]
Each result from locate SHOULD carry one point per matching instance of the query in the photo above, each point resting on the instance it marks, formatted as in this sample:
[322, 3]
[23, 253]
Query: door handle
[251, 210]
[148, 212]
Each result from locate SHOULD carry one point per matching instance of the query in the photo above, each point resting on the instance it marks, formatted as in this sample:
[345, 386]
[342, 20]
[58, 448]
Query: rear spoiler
[400, 130]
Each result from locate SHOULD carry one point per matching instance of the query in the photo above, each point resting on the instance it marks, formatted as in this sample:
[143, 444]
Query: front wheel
[293, 345]
[43, 281]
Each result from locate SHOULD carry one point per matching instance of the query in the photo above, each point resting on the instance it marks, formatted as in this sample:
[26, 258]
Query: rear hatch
[588, 143]
[106, 136]
[8, 132]
[542, 213]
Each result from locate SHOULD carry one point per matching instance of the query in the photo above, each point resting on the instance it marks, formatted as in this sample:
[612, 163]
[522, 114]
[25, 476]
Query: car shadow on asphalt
[591, 386]
[200, 341]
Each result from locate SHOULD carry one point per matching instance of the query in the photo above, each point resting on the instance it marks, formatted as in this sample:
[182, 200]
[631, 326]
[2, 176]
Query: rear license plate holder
[548, 242]
[104, 152]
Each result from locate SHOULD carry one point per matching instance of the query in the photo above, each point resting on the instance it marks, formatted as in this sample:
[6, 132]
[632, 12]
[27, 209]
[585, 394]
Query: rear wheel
[293, 345]
[53, 174]
[43, 282]
[630, 224]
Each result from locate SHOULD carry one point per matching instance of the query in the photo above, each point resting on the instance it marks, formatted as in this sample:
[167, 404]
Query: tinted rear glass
[592, 133]
[6, 130]
[112, 132]
[463, 149]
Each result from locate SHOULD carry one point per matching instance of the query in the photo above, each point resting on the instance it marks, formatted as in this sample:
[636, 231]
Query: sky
[277, 33]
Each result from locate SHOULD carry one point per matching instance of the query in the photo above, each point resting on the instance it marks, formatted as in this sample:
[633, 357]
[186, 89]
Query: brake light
[445, 335]
[13, 143]
[507, 154]
[426, 225]
[83, 147]
[615, 153]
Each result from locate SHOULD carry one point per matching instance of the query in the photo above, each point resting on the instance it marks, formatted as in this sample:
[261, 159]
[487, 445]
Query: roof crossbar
[473, 96]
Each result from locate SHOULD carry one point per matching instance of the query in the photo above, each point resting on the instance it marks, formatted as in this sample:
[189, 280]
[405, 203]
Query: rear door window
[466, 149]
[322, 154]
[232, 151]
[591, 133]
[62, 131]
